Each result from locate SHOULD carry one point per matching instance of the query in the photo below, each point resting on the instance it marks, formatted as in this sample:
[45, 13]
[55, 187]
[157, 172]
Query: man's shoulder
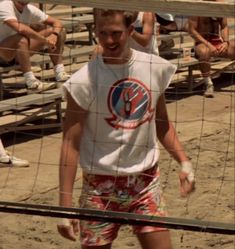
[81, 73]
[6, 5]
[32, 8]
[7, 10]
[6, 2]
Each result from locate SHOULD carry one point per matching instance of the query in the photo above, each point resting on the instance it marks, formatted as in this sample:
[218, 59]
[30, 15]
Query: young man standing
[115, 113]
[25, 30]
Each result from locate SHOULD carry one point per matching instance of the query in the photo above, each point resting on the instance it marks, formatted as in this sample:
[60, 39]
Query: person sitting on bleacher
[170, 23]
[144, 35]
[211, 36]
[24, 30]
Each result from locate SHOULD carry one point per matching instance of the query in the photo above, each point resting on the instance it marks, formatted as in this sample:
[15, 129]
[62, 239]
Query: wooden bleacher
[17, 114]
[79, 24]
[61, 12]
[20, 112]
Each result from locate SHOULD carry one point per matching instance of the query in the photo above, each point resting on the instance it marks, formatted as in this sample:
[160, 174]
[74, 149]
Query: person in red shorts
[115, 116]
[211, 36]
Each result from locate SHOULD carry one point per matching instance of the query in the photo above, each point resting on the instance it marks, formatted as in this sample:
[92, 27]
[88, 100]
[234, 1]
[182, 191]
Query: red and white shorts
[140, 194]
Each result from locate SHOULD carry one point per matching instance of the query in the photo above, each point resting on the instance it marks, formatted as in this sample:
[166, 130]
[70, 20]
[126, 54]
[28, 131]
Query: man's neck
[18, 6]
[120, 60]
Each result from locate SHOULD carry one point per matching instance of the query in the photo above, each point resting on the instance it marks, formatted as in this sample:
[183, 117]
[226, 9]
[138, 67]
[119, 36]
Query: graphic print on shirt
[129, 102]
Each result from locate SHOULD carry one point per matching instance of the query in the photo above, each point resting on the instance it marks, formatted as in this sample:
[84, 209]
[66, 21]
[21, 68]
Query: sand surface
[206, 129]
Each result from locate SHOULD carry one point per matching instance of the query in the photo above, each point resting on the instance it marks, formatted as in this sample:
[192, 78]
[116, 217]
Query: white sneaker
[209, 93]
[36, 69]
[36, 86]
[62, 76]
[11, 161]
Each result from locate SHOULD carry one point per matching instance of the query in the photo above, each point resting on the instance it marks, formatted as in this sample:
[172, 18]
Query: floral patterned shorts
[140, 194]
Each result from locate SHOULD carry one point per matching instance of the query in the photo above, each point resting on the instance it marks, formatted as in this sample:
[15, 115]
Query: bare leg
[9, 46]
[231, 50]
[204, 56]
[56, 55]
[19, 48]
[155, 240]
[23, 55]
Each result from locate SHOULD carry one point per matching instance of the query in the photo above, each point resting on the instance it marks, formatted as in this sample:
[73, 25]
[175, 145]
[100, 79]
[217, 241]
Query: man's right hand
[68, 228]
[213, 50]
[51, 42]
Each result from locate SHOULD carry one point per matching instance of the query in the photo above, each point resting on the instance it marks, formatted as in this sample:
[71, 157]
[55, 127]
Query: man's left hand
[187, 179]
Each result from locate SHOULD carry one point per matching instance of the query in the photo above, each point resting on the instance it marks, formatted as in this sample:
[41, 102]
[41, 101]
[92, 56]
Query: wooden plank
[77, 36]
[76, 22]
[69, 11]
[71, 53]
[48, 74]
[179, 7]
[17, 83]
[7, 69]
[31, 99]
[184, 45]
[86, 19]
[172, 35]
[31, 114]
[14, 118]
[181, 62]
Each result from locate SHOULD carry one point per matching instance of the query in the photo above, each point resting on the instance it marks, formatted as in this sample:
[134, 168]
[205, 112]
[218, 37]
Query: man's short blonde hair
[129, 16]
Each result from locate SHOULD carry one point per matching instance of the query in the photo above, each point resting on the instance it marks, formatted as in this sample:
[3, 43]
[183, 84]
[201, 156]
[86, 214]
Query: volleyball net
[207, 138]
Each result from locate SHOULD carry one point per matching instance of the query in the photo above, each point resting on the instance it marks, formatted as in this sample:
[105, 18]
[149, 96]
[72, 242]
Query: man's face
[113, 36]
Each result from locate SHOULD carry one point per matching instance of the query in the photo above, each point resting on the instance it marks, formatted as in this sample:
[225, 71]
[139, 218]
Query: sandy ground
[206, 129]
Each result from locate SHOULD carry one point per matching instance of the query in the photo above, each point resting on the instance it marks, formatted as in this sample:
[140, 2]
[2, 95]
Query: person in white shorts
[115, 116]
[25, 30]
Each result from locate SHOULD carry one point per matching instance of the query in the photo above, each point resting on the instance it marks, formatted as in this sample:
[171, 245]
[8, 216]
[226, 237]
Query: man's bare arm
[168, 137]
[55, 24]
[25, 30]
[148, 30]
[166, 133]
[73, 124]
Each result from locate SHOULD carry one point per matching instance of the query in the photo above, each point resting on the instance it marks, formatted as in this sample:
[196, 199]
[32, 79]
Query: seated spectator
[169, 23]
[143, 37]
[211, 40]
[6, 160]
[24, 30]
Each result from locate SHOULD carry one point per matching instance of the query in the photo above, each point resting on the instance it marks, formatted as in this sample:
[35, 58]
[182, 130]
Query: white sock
[2, 150]
[208, 81]
[29, 76]
[59, 68]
